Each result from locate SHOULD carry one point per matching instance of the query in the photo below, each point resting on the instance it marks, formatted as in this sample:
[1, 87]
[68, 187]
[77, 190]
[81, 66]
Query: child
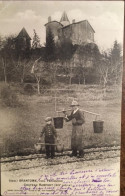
[50, 135]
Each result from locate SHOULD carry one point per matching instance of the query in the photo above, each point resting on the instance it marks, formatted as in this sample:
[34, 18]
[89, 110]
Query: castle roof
[23, 33]
[78, 23]
[52, 22]
[64, 17]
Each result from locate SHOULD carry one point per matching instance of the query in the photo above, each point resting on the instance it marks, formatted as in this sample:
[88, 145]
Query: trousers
[50, 151]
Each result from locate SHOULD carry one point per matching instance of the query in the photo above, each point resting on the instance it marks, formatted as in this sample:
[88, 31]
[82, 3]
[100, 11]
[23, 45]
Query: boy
[50, 134]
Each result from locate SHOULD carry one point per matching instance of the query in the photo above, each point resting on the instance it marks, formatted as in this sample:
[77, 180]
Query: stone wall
[53, 26]
[90, 33]
[79, 33]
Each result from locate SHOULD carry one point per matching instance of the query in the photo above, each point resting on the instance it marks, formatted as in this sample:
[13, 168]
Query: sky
[106, 18]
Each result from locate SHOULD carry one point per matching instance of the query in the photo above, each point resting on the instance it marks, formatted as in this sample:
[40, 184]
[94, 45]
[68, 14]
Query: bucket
[98, 126]
[60, 148]
[37, 147]
[58, 122]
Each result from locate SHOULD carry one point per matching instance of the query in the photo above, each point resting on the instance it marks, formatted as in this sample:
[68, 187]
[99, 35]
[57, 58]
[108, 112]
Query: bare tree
[70, 65]
[38, 71]
[54, 66]
[22, 68]
[104, 72]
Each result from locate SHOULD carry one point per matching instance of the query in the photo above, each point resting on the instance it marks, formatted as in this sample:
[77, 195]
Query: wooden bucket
[58, 122]
[98, 126]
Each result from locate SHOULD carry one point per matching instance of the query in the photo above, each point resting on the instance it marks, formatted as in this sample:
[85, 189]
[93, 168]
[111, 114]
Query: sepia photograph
[61, 67]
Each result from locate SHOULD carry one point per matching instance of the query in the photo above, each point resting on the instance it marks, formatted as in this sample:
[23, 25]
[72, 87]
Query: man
[78, 120]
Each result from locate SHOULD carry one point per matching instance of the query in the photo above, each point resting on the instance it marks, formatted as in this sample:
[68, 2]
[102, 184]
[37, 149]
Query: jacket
[77, 118]
[49, 131]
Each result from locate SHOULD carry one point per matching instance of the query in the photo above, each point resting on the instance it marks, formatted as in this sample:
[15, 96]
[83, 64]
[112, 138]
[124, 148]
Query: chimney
[73, 21]
[49, 19]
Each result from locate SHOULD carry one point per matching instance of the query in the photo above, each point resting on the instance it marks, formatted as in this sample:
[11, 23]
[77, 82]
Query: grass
[21, 126]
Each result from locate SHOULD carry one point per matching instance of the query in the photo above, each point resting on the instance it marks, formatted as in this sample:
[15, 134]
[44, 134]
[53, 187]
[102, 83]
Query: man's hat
[47, 119]
[74, 103]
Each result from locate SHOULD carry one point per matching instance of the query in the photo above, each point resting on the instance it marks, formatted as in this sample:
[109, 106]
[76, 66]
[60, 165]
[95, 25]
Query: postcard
[61, 67]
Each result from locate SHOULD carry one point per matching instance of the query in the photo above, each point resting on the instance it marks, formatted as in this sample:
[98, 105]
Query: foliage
[104, 70]
[115, 52]
[36, 41]
[116, 62]
[22, 68]
[65, 50]
[12, 68]
[110, 65]
[28, 88]
[83, 64]
[50, 47]
[88, 52]
[8, 96]
[7, 55]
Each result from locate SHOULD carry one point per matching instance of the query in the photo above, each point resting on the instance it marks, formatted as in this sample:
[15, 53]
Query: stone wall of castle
[53, 27]
[90, 33]
[78, 33]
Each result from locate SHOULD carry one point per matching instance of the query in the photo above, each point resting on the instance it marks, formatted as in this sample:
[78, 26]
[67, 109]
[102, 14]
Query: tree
[12, 68]
[50, 46]
[53, 68]
[111, 64]
[79, 73]
[88, 52]
[1, 42]
[65, 50]
[36, 41]
[116, 61]
[7, 56]
[69, 65]
[22, 68]
[104, 71]
[38, 71]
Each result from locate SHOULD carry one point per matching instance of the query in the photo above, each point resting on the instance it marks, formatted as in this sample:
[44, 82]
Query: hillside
[21, 125]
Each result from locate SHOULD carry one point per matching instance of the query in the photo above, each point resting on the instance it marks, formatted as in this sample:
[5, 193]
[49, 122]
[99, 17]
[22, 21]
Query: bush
[8, 96]
[29, 79]
[47, 81]
[28, 88]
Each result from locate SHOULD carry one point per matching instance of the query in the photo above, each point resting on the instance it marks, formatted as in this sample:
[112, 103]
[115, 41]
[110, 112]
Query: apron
[77, 137]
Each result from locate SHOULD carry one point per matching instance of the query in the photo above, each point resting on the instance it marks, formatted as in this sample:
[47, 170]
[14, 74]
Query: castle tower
[23, 40]
[64, 19]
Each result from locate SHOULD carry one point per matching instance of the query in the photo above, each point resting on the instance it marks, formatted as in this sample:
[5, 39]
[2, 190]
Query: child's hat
[47, 119]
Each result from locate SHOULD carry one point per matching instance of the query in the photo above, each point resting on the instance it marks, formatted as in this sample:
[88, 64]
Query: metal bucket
[58, 122]
[98, 126]
[60, 148]
[37, 147]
